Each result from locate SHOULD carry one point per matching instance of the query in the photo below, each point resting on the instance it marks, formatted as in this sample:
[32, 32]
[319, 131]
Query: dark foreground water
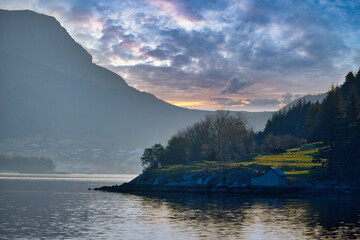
[61, 207]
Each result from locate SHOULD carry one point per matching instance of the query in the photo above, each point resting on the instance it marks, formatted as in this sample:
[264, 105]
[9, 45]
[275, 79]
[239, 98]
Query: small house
[272, 177]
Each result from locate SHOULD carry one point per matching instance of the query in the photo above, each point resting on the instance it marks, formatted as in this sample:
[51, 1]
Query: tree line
[335, 122]
[226, 136]
[221, 136]
[25, 164]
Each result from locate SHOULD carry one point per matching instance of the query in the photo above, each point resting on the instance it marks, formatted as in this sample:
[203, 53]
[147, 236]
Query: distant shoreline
[52, 172]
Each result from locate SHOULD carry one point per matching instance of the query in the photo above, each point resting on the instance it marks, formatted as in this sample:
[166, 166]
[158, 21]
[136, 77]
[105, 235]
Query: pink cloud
[174, 9]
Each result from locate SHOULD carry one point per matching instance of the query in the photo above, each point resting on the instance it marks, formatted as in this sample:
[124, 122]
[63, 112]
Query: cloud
[201, 46]
[221, 101]
[264, 101]
[158, 53]
[149, 76]
[227, 102]
[356, 56]
[180, 60]
[188, 10]
[237, 83]
[197, 44]
[111, 32]
[288, 97]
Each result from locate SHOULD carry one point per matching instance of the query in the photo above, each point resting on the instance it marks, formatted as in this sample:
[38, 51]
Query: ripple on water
[59, 208]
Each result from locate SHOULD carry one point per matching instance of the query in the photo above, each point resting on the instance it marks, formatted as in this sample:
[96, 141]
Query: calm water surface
[61, 207]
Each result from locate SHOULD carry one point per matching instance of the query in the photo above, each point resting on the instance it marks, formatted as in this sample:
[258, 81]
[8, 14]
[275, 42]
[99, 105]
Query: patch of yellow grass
[295, 161]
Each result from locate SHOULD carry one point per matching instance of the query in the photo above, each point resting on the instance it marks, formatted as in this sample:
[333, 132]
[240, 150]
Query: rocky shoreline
[227, 183]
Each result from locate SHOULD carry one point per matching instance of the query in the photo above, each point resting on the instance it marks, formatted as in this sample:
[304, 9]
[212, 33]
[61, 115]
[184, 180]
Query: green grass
[295, 162]
[173, 171]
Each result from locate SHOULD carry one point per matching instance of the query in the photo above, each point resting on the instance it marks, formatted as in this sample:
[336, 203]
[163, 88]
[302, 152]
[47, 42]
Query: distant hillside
[54, 102]
[23, 164]
[307, 98]
[49, 85]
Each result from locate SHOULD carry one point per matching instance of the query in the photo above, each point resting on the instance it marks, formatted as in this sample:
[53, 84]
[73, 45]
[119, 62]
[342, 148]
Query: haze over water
[60, 206]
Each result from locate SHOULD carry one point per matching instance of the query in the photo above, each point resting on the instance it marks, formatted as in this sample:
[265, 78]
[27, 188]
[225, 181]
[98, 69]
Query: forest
[25, 164]
[226, 136]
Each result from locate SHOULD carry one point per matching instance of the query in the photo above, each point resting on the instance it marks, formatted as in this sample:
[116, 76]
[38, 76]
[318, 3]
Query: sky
[252, 55]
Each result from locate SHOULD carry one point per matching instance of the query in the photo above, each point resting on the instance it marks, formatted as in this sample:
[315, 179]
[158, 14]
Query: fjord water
[61, 207]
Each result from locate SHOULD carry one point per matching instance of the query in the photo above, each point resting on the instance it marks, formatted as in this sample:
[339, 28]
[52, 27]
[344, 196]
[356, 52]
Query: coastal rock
[224, 182]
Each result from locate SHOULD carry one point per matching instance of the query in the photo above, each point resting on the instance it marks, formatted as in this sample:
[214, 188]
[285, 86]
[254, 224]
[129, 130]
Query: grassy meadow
[295, 162]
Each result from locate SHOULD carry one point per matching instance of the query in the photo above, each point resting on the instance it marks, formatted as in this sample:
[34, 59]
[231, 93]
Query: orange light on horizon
[186, 103]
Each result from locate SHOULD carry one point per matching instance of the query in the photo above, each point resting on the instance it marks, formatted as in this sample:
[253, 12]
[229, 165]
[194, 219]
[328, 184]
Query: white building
[272, 177]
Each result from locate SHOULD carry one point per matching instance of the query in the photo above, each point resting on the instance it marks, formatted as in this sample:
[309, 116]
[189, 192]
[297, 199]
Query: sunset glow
[238, 55]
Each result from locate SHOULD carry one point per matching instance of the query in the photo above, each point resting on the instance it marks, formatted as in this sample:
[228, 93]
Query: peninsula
[314, 145]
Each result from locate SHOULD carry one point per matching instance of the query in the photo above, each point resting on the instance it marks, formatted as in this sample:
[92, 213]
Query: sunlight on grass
[296, 163]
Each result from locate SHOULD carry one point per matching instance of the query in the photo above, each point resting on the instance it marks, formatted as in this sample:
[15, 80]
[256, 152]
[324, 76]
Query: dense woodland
[23, 164]
[226, 136]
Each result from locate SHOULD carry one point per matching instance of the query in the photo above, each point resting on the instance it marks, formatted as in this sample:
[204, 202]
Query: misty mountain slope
[49, 85]
[307, 98]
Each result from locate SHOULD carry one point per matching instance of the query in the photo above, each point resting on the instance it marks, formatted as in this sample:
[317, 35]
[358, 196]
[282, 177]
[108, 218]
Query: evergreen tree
[289, 121]
[351, 81]
[357, 76]
[331, 128]
[311, 122]
[353, 133]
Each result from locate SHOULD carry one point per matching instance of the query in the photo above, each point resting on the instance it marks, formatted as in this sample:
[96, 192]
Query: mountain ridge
[53, 61]
[50, 88]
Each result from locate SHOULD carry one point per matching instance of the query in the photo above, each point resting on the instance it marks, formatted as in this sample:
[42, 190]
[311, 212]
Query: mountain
[49, 87]
[307, 98]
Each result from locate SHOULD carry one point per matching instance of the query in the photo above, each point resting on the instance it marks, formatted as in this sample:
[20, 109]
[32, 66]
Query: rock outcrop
[224, 182]
[197, 182]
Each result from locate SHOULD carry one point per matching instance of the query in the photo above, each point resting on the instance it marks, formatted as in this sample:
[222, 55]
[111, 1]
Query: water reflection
[65, 209]
[221, 216]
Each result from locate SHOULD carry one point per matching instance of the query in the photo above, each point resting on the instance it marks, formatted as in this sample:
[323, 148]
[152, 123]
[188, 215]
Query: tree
[152, 156]
[289, 120]
[311, 122]
[353, 133]
[178, 149]
[221, 136]
[331, 128]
